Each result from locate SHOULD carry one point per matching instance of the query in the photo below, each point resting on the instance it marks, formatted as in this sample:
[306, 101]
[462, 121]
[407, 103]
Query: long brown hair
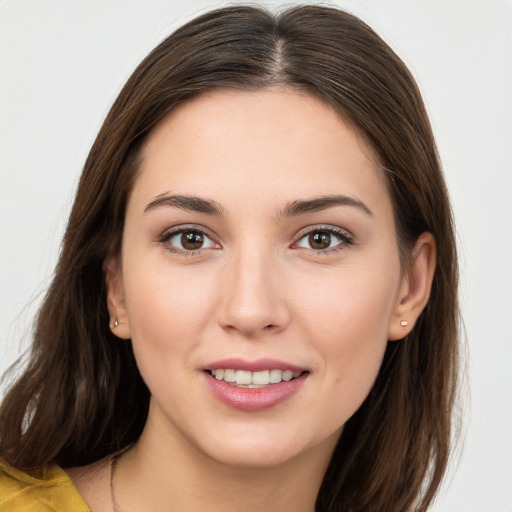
[82, 397]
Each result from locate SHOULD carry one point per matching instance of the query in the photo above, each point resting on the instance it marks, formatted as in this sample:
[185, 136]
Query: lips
[254, 385]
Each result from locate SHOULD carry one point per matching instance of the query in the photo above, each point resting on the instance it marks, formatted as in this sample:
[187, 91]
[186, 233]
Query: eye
[324, 239]
[188, 240]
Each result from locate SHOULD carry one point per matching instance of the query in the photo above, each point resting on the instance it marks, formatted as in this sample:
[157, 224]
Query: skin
[255, 288]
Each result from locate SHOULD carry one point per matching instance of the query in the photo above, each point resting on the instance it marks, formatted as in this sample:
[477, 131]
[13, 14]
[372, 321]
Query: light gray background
[62, 63]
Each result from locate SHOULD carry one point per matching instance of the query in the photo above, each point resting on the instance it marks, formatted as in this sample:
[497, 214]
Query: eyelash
[343, 237]
[168, 235]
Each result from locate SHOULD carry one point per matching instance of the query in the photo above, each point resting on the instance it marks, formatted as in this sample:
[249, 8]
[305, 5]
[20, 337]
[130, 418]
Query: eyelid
[169, 233]
[345, 237]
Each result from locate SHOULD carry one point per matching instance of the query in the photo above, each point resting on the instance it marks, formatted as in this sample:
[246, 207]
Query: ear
[115, 298]
[414, 289]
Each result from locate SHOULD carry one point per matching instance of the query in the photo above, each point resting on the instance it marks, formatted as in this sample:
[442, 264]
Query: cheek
[356, 304]
[348, 320]
[168, 310]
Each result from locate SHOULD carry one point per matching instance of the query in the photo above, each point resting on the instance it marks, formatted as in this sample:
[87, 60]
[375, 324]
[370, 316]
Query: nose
[253, 295]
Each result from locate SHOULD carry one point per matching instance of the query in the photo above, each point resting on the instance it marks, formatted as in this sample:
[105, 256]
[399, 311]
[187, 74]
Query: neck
[154, 476]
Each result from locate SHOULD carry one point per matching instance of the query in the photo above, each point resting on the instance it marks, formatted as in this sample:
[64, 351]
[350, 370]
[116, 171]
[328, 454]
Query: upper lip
[257, 365]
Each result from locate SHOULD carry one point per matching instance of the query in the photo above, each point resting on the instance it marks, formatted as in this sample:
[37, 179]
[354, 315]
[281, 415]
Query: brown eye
[325, 240]
[192, 240]
[188, 241]
[319, 240]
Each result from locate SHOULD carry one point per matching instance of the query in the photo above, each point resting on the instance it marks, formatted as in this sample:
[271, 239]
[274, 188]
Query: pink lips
[254, 399]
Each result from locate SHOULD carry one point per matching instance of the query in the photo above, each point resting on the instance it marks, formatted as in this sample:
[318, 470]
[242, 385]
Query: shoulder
[42, 490]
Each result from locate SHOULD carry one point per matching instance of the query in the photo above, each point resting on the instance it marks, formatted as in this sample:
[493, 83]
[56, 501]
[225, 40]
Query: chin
[268, 451]
[257, 458]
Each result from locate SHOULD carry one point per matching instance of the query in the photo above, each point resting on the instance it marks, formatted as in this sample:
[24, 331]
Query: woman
[255, 302]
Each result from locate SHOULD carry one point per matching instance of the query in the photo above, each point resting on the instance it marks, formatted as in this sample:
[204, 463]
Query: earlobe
[415, 288]
[118, 324]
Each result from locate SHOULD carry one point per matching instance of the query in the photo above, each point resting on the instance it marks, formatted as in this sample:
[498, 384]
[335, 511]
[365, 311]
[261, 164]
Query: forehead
[269, 144]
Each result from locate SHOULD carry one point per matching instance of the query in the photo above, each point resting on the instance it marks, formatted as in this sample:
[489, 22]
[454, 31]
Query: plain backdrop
[62, 62]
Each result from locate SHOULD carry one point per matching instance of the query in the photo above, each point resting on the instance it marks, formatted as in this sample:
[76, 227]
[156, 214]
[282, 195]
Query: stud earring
[404, 323]
[114, 322]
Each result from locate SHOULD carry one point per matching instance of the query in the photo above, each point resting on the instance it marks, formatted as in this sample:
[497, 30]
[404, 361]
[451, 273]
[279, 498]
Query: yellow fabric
[44, 490]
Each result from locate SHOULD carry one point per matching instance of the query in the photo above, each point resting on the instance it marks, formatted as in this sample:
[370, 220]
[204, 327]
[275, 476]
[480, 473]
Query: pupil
[191, 240]
[320, 240]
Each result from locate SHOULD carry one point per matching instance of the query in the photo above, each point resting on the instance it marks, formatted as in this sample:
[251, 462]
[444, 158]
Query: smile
[248, 379]
[254, 386]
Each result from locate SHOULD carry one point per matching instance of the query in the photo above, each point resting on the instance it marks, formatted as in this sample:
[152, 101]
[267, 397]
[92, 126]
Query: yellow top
[43, 490]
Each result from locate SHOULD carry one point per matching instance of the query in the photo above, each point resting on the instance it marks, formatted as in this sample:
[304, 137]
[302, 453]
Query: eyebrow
[322, 203]
[295, 208]
[195, 204]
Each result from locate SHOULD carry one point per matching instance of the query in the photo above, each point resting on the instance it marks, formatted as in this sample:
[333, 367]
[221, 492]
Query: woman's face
[259, 246]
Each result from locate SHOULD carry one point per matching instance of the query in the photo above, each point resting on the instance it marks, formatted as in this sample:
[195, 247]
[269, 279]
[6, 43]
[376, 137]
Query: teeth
[262, 378]
[229, 375]
[287, 375]
[245, 378]
[275, 376]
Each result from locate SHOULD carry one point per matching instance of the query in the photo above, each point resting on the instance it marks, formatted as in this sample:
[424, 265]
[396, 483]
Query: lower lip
[254, 399]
